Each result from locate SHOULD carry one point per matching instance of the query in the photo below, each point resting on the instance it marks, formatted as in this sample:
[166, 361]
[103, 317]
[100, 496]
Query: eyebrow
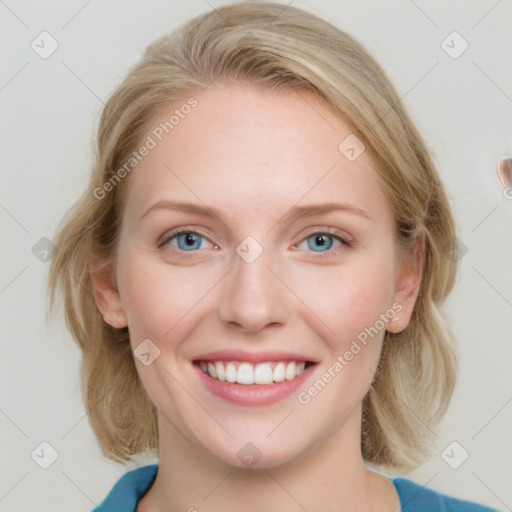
[298, 212]
[183, 207]
[295, 213]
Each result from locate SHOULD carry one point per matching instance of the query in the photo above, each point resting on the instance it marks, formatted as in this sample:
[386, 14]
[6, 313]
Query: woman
[255, 273]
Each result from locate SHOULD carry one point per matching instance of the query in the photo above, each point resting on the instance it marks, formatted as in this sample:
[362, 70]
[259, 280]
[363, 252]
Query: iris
[189, 241]
[320, 242]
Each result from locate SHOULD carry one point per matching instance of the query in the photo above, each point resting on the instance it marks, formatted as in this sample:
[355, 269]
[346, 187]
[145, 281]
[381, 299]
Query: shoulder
[130, 488]
[415, 498]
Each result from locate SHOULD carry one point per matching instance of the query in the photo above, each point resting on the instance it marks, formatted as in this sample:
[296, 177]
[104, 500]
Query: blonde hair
[273, 47]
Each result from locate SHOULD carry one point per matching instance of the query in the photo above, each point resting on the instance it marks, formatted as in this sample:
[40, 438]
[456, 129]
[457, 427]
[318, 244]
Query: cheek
[348, 298]
[160, 301]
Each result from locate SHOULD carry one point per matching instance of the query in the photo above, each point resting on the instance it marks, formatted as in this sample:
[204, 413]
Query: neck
[331, 472]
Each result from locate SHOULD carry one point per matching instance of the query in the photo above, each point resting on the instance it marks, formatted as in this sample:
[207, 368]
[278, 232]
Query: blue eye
[320, 242]
[187, 241]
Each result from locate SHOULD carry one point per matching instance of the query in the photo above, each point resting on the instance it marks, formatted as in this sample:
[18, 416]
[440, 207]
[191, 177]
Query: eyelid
[172, 233]
[342, 235]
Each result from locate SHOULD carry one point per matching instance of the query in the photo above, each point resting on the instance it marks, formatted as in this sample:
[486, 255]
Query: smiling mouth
[239, 372]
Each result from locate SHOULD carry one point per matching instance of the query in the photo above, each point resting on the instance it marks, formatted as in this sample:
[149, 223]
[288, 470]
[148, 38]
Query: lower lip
[254, 394]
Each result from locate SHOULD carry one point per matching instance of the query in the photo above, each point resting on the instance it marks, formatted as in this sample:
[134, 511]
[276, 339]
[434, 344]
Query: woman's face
[255, 247]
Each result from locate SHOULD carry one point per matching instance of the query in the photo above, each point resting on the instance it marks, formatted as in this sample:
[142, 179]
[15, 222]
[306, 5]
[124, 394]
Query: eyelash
[332, 233]
[322, 231]
[174, 233]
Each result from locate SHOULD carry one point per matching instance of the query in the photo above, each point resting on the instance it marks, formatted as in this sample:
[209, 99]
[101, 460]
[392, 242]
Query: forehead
[242, 148]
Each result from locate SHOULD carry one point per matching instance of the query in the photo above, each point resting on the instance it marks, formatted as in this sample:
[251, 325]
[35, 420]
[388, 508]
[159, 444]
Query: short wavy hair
[273, 47]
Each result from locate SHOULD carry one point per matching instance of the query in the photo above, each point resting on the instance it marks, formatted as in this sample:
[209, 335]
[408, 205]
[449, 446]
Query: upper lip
[252, 357]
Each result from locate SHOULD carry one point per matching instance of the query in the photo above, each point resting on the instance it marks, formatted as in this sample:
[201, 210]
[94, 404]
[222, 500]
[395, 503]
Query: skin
[252, 156]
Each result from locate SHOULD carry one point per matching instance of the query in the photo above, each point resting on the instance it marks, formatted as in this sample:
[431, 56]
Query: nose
[253, 298]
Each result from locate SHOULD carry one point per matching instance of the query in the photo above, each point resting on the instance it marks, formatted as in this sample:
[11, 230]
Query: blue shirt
[413, 497]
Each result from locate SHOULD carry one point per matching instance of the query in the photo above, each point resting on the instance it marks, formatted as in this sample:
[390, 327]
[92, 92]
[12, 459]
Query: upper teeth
[248, 373]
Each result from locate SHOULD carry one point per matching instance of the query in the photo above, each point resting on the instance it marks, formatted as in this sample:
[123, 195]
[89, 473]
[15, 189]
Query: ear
[105, 294]
[407, 283]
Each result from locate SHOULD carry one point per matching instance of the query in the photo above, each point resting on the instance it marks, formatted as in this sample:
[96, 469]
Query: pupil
[190, 239]
[320, 240]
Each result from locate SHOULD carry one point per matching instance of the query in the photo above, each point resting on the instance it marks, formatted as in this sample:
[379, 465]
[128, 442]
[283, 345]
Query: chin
[246, 450]
[253, 457]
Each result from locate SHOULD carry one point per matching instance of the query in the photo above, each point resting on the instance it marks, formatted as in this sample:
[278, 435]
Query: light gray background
[49, 109]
